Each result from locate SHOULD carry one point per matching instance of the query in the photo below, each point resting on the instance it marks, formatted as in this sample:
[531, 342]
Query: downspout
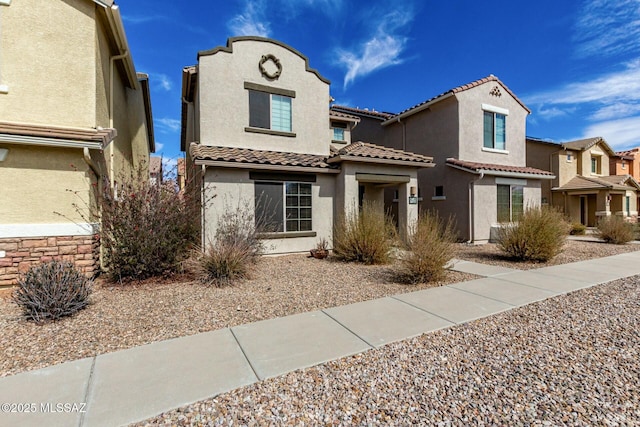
[87, 158]
[471, 187]
[202, 209]
[404, 133]
[112, 61]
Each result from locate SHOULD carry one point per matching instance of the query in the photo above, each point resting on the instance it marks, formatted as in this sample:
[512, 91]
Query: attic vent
[496, 92]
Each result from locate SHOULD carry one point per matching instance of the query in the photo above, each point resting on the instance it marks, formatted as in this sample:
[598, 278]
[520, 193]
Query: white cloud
[252, 21]
[159, 146]
[168, 125]
[129, 19]
[620, 134]
[607, 28]
[163, 81]
[382, 50]
[549, 113]
[617, 110]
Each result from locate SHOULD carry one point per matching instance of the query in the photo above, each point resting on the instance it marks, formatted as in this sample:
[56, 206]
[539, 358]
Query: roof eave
[261, 166]
[504, 174]
[118, 34]
[347, 158]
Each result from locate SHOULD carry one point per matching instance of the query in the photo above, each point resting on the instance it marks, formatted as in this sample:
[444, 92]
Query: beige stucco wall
[49, 68]
[472, 126]
[224, 102]
[233, 188]
[585, 160]
[44, 181]
[485, 199]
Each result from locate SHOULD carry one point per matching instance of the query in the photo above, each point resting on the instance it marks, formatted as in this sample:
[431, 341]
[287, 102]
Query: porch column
[603, 205]
[407, 212]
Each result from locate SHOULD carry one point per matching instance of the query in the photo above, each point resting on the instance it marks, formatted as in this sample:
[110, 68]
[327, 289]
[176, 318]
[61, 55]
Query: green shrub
[147, 229]
[234, 250]
[615, 230]
[578, 229]
[538, 236]
[366, 236]
[430, 248]
[51, 291]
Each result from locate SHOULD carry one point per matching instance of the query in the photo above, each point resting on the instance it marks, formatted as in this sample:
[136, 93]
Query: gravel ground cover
[126, 316]
[574, 250]
[569, 360]
[130, 315]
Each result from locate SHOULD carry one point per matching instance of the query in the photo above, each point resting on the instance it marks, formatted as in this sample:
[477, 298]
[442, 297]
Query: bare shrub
[430, 247]
[365, 236]
[615, 230]
[234, 250]
[539, 235]
[147, 228]
[51, 291]
[578, 229]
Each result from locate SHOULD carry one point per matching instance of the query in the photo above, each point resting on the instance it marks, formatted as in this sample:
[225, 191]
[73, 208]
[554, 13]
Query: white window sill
[439, 198]
[5, 2]
[4, 89]
[397, 200]
[338, 141]
[495, 150]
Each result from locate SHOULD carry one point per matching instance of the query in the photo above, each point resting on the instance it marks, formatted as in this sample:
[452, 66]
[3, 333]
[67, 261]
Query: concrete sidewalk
[135, 384]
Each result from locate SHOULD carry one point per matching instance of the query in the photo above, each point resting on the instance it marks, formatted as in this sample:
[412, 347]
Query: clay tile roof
[628, 154]
[362, 112]
[339, 115]
[477, 167]
[261, 157]
[585, 144]
[490, 78]
[365, 150]
[614, 182]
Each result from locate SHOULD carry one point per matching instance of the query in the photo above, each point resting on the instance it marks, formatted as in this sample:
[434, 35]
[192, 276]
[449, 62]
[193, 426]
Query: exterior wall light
[3, 154]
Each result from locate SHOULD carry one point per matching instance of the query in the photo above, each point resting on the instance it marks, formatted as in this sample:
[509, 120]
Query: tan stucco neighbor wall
[49, 77]
[224, 101]
[41, 186]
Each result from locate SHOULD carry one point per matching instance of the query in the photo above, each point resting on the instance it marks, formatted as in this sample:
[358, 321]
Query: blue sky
[575, 64]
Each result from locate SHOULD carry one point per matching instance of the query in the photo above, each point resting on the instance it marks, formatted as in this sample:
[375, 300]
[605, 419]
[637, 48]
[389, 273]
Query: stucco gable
[229, 49]
[452, 92]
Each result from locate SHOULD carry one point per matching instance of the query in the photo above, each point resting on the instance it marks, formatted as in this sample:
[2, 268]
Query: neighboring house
[74, 115]
[626, 163]
[181, 178]
[583, 187]
[155, 169]
[476, 135]
[259, 134]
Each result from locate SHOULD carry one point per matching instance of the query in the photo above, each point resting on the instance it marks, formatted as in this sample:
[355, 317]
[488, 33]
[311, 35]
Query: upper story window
[624, 164]
[569, 157]
[270, 108]
[338, 131]
[495, 127]
[596, 165]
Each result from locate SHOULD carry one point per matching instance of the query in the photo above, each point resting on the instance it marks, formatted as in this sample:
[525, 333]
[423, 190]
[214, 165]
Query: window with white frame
[510, 202]
[495, 130]
[338, 131]
[283, 206]
[596, 165]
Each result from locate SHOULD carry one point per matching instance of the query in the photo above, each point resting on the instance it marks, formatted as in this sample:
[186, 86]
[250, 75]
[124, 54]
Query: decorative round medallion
[270, 66]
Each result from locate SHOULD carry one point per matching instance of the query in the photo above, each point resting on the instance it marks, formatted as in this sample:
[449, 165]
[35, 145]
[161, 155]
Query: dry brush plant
[234, 250]
[430, 247]
[615, 230]
[539, 235]
[366, 235]
[52, 290]
[147, 228]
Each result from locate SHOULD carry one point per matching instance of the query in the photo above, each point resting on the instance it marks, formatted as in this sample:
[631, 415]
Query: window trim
[494, 134]
[271, 92]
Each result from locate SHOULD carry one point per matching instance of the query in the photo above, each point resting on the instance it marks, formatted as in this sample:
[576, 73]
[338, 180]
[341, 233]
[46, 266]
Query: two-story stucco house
[583, 187]
[74, 115]
[476, 135]
[259, 133]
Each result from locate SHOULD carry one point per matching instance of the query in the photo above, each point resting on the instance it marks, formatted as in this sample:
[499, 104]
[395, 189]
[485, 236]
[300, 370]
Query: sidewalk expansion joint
[352, 332]
[88, 390]
[253, 369]
[425, 311]
[483, 296]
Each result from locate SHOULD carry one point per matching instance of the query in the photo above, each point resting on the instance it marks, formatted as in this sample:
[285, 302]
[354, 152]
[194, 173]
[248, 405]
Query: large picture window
[283, 206]
[495, 130]
[269, 111]
[510, 203]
